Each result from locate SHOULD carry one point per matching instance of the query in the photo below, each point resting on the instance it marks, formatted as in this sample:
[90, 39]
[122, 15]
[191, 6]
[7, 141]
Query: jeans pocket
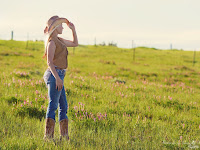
[47, 76]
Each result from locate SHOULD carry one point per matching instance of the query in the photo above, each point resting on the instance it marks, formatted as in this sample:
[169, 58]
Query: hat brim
[57, 22]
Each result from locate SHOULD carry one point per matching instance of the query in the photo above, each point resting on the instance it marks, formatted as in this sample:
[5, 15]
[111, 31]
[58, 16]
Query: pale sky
[151, 23]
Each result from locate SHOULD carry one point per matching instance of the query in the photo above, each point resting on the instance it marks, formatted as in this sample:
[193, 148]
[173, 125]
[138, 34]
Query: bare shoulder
[51, 44]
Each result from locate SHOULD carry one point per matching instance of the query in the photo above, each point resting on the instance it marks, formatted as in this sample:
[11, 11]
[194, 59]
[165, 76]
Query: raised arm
[73, 43]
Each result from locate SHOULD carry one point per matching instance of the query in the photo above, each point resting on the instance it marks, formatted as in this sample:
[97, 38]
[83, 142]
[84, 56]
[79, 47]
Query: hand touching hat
[53, 23]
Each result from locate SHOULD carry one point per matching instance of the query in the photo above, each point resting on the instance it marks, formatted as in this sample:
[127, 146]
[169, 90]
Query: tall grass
[114, 102]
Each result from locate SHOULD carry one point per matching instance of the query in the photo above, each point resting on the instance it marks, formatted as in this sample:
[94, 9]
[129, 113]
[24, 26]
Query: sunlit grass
[114, 102]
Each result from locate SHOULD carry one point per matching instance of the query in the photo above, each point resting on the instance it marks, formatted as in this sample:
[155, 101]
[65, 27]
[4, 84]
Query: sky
[150, 23]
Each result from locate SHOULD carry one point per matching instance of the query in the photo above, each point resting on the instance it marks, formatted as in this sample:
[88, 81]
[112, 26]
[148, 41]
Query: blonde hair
[48, 35]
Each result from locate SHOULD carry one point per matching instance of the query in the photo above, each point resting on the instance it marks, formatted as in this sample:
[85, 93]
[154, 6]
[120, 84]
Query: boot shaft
[64, 128]
[49, 129]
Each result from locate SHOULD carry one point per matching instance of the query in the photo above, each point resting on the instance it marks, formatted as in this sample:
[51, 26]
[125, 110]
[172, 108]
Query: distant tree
[112, 44]
[103, 44]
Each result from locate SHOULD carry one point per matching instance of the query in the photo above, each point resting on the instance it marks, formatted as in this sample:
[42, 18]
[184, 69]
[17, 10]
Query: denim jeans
[55, 97]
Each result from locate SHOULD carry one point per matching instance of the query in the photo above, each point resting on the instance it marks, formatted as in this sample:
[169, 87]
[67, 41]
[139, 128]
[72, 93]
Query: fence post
[27, 41]
[194, 57]
[12, 35]
[133, 51]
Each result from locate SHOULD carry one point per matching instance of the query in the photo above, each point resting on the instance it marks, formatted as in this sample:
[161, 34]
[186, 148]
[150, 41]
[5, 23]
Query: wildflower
[149, 108]
[105, 115]
[36, 92]
[75, 107]
[170, 98]
[181, 137]
[183, 125]
[99, 117]
[94, 119]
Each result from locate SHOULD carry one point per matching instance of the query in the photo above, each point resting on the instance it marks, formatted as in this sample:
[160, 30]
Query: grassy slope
[159, 101]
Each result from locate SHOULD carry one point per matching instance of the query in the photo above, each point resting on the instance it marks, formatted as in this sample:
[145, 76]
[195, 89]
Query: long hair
[48, 35]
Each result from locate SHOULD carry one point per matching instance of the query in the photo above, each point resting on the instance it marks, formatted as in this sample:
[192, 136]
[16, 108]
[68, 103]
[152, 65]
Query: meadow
[115, 102]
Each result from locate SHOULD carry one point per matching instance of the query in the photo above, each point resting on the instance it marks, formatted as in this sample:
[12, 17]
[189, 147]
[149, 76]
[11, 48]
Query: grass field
[114, 102]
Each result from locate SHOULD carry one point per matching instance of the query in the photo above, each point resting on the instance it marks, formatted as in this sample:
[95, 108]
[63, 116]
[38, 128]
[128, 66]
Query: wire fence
[131, 43]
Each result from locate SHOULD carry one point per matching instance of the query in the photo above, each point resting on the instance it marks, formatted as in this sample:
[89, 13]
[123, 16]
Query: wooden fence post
[194, 57]
[133, 51]
[27, 41]
[12, 35]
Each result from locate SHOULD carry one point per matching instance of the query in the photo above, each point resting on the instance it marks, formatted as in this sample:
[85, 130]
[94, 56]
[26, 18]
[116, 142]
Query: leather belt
[58, 68]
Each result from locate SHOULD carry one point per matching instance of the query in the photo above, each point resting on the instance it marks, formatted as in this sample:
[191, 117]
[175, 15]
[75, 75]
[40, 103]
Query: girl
[56, 54]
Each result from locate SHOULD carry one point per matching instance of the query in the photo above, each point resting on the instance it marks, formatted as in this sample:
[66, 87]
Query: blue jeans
[55, 97]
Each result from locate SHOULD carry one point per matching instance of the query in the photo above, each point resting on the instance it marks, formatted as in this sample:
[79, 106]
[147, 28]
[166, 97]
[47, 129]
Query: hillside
[115, 102]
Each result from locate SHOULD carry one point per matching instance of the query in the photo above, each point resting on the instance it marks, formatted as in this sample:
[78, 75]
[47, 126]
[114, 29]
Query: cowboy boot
[64, 129]
[49, 130]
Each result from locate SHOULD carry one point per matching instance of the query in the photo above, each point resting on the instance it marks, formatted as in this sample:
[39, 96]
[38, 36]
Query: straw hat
[53, 23]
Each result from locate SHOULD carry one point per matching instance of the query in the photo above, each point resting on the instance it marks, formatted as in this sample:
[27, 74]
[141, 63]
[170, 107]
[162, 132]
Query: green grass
[150, 103]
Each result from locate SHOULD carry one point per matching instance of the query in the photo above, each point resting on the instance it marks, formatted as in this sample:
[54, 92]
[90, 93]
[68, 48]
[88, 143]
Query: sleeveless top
[60, 57]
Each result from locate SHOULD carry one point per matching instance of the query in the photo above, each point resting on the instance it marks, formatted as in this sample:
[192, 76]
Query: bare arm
[73, 43]
[50, 54]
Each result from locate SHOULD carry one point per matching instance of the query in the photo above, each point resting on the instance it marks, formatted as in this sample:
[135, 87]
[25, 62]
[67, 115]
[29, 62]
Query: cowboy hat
[56, 22]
